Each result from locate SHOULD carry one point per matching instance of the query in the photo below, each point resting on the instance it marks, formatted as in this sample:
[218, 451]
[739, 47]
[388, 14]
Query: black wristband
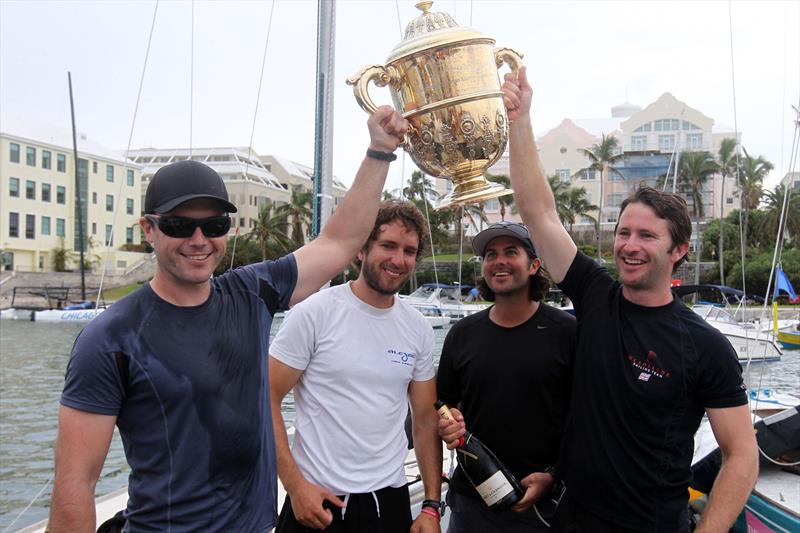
[433, 504]
[552, 471]
[383, 156]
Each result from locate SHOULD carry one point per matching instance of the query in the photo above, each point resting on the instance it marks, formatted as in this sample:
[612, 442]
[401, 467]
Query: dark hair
[668, 206]
[538, 285]
[407, 214]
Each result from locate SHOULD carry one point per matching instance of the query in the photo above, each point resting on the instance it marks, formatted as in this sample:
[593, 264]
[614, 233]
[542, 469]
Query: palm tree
[420, 186]
[695, 169]
[474, 213]
[508, 199]
[269, 229]
[727, 161]
[559, 189]
[602, 158]
[751, 180]
[576, 204]
[298, 213]
[773, 208]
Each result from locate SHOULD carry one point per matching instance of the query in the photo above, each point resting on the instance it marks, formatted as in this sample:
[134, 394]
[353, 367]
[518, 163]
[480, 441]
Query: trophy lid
[432, 30]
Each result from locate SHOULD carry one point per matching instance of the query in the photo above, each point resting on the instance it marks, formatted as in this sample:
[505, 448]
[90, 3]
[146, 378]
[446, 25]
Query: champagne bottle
[494, 482]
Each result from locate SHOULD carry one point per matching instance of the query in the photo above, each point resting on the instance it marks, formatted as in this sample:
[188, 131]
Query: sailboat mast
[78, 198]
[323, 130]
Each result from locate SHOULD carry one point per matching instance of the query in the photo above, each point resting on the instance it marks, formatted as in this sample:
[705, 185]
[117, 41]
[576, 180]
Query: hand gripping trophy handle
[382, 76]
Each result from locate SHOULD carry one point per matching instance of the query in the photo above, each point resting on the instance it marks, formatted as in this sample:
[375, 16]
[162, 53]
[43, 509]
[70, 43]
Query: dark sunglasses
[183, 227]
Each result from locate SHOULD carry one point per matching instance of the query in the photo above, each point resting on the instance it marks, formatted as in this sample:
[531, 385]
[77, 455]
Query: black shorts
[392, 514]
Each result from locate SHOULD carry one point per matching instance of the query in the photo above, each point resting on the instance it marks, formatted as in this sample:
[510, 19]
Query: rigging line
[47, 484]
[399, 23]
[460, 249]
[430, 230]
[258, 93]
[191, 82]
[471, 4]
[125, 159]
[783, 87]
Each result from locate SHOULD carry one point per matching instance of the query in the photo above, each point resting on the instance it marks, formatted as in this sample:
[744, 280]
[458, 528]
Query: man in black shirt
[646, 367]
[508, 369]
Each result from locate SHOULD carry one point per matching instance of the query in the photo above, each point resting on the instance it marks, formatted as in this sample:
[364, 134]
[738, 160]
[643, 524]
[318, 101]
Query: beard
[372, 277]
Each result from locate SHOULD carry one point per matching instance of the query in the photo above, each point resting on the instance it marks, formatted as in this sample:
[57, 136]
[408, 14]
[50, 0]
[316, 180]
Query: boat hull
[789, 339]
[66, 315]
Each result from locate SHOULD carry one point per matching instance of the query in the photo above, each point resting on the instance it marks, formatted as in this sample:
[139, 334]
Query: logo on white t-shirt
[401, 358]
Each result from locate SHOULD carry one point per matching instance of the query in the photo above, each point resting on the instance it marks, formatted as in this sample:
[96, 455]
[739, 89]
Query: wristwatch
[552, 471]
[382, 156]
[436, 505]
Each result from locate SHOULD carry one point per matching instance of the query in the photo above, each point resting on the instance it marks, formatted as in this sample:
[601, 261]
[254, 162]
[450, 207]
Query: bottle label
[495, 488]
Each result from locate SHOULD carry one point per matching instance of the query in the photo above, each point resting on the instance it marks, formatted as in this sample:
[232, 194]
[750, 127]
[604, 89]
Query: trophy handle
[507, 55]
[381, 75]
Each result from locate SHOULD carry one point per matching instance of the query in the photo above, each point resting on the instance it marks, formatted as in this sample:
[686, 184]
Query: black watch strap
[383, 156]
[433, 504]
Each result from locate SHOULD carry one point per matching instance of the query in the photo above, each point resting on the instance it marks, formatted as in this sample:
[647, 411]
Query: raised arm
[349, 227]
[532, 194]
[734, 432]
[81, 449]
[306, 498]
[427, 447]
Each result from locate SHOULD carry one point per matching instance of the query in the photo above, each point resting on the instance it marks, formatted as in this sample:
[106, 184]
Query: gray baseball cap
[503, 229]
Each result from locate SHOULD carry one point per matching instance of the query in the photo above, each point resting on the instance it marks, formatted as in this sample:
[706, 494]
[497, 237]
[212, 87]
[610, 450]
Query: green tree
[506, 201]
[419, 186]
[270, 229]
[695, 169]
[727, 161]
[298, 213]
[602, 158]
[751, 179]
[559, 188]
[773, 208]
[576, 204]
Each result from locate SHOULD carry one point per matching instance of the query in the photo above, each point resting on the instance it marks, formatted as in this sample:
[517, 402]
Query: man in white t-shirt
[356, 356]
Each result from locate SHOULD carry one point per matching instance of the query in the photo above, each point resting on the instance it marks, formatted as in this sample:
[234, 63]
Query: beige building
[251, 180]
[39, 207]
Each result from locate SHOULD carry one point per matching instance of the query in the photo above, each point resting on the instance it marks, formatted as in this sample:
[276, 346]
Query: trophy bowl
[443, 79]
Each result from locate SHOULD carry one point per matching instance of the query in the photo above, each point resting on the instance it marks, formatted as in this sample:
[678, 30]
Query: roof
[56, 136]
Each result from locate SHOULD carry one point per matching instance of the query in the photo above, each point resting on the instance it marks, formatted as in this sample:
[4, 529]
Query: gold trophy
[443, 79]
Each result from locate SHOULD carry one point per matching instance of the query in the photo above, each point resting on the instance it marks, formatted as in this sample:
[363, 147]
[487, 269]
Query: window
[110, 173]
[45, 225]
[129, 206]
[492, 206]
[130, 178]
[30, 156]
[241, 222]
[129, 235]
[61, 194]
[30, 226]
[94, 167]
[60, 227]
[667, 124]
[13, 224]
[13, 187]
[30, 190]
[109, 235]
[614, 200]
[94, 198]
[109, 202]
[14, 152]
[638, 142]
[47, 159]
[563, 174]
[666, 142]
[61, 162]
[729, 200]
[694, 141]
[690, 126]
[45, 192]
[644, 127]
[588, 174]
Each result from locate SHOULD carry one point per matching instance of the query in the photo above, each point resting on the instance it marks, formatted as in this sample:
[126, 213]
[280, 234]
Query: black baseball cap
[182, 181]
[503, 229]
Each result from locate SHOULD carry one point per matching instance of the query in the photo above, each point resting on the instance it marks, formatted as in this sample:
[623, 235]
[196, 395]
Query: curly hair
[668, 206]
[538, 285]
[408, 215]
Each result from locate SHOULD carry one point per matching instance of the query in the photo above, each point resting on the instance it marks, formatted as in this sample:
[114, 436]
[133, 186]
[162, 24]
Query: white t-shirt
[352, 398]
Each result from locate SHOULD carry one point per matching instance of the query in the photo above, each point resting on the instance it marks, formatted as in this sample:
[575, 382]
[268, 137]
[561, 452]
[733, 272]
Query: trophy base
[464, 194]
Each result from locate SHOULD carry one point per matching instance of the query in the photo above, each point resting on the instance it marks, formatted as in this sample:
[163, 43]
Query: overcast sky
[583, 58]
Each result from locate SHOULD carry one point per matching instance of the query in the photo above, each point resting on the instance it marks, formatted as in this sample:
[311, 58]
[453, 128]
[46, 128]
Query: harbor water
[33, 359]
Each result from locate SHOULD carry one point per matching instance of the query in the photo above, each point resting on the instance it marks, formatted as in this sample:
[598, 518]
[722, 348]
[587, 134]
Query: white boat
[437, 322]
[774, 504]
[440, 299]
[16, 313]
[66, 315]
[750, 341]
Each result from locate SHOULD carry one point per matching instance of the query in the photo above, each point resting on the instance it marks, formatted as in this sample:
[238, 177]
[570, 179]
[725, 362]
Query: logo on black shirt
[650, 367]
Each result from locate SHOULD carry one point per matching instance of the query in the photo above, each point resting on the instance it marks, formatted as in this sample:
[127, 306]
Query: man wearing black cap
[180, 365]
[508, 369]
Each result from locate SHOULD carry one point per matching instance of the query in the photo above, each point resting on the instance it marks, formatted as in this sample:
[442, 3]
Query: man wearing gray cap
[180, 365]
[508, 369]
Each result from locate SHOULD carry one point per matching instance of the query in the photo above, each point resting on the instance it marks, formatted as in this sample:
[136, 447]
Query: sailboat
[787, 331]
